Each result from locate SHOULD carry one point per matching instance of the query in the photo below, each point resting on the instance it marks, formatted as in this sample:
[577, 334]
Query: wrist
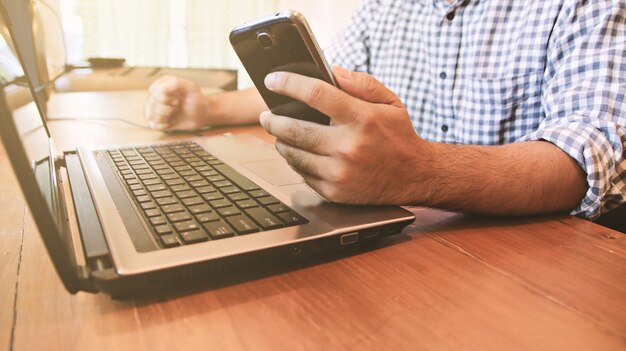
[423, 171]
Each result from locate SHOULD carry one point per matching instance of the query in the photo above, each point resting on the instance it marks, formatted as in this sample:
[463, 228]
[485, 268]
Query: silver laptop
[150, 214]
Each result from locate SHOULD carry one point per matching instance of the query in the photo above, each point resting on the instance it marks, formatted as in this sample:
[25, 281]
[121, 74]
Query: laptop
[147, 214]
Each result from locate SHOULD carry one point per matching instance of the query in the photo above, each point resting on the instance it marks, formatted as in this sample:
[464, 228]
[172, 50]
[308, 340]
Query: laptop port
[350, 238]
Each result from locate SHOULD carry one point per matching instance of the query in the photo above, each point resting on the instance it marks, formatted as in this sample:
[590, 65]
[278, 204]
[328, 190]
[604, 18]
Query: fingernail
[342, 72]
[263, 117]
[270, 80]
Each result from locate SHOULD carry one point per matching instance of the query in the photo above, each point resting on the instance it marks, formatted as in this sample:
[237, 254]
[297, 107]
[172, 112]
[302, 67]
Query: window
[175, 33]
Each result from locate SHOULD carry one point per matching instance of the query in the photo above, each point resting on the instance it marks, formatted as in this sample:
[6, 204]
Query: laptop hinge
[94, 246]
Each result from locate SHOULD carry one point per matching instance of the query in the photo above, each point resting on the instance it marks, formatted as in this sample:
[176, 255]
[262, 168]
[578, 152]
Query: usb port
[350, 238]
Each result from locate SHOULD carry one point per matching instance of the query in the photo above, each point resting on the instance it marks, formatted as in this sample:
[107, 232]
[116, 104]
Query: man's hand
[370, 152]
[176, 104]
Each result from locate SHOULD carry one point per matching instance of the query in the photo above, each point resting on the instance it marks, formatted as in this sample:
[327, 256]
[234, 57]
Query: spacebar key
[236, 177]
[264, 218]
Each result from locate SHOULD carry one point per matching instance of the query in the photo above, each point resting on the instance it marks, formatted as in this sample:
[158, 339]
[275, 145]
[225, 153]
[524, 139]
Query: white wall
[326, 17]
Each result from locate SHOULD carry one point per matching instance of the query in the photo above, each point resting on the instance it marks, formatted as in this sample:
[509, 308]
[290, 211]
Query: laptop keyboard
[188, 196]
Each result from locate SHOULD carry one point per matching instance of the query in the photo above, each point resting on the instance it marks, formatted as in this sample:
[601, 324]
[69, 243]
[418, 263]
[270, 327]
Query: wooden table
[450, 282]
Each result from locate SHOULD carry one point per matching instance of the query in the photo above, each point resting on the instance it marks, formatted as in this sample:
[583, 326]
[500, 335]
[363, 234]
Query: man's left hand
[369, 154]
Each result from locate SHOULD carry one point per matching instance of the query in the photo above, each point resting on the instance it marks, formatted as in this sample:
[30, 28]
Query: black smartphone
[281, 42]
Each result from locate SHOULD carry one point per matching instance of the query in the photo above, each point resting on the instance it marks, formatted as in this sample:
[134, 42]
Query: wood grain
[451, 281]
[12, 209]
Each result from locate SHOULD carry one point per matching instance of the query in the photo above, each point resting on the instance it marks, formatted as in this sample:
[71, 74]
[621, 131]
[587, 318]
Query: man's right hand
[176, 104]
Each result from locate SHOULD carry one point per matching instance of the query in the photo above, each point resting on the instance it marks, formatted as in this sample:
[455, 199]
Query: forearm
[235, 107]
[516, 179]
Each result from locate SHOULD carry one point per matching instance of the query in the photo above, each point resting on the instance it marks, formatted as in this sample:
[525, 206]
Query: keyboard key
[152, 182]
[192, 237]
[199, 183]
[188, 172]
[268, 200]
[278, 208]
[230, 190]
[185, 194]
[207, 217]
[185, 226]
[212, 196]
[153, 213]
[135, 187]
[144, 198]
[143, 171]
[163, 229]
[220, 203]
[172, 208]
[223, 184]
[238, 196]
[264, 218]
[157, 220]
[148, 205]
[175, 181]
[178, 217]
[193, 201]
[193, 178]
[218, 229]
[169, 176]
[140, 192]
[292, 218]
[236, 177]
[216, 178]
[169, 240]
[157, 187]
[205, 189]
[228, 211]
[162, 193]
[197, 209]
[166, 201]
[247, 204]
[147, 176]
[180, 187]
[242, 224]
[259, 193]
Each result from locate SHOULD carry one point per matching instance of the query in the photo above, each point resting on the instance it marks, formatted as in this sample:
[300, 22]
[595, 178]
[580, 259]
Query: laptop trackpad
[275, 171]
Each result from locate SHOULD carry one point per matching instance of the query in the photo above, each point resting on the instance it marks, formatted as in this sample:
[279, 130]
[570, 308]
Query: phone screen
[278, 45]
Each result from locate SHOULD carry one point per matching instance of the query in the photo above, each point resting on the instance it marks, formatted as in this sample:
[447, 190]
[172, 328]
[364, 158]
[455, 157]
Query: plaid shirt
[505, 71]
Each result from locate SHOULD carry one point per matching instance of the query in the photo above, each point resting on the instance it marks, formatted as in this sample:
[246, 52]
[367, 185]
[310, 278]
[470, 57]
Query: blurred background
[171, 33]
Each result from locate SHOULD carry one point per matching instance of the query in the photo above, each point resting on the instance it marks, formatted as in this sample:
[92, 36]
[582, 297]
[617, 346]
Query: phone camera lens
[266, 40]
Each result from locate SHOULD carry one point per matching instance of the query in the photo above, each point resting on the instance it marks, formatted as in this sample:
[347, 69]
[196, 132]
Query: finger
[163, 112]
[303, 162]
[168, 89]
[319, 186]
[158, 126]
[365, 87]
[329, 100]
[304, 135]
[158, 113]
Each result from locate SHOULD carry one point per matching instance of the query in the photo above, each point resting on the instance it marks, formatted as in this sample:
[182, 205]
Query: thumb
[365, 87]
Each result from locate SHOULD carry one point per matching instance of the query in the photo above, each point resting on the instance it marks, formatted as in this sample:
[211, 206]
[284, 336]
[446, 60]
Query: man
[502, 107]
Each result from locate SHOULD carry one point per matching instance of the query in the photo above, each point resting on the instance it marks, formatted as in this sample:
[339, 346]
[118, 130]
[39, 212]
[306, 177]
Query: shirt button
[443, 75]
[444, 128]
[450, 16]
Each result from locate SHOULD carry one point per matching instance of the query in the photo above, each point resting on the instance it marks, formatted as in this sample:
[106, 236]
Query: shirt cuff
[598, 149]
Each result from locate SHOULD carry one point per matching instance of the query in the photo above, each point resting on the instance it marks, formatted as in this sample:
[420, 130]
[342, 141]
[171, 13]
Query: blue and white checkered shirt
[495, 72]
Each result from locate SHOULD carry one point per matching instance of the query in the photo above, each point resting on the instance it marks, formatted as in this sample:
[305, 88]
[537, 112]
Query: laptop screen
[19, 17]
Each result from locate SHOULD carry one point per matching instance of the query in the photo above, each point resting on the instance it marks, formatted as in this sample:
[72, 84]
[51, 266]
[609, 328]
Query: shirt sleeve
[350, 49]
[584, 101]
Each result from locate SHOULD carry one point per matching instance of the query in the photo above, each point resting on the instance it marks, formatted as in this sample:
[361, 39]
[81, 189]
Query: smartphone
[282, 42]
